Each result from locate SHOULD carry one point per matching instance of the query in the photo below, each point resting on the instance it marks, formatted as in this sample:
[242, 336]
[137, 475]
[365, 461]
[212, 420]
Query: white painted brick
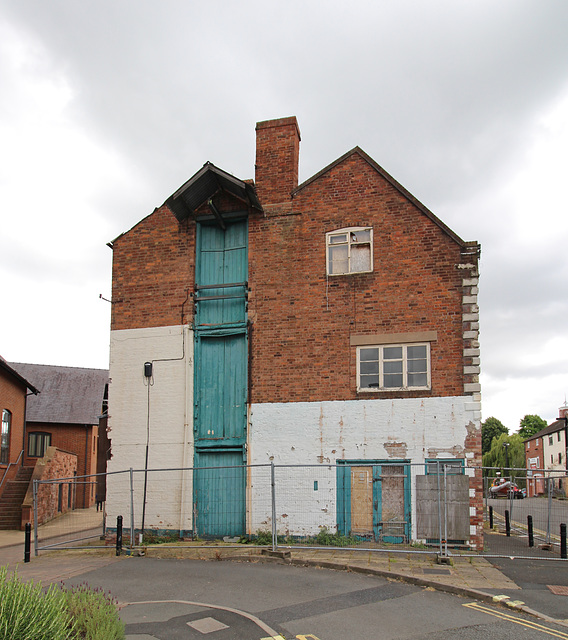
[473, 406]
[472, 512]
[472, 493]
[470, 282]
[472, 529]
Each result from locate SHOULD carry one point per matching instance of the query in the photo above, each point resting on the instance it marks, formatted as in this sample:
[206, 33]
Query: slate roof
[555, 426]
[68, 395]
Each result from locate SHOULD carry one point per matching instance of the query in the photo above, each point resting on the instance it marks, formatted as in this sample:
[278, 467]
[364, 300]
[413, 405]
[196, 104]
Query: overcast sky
[107, 107]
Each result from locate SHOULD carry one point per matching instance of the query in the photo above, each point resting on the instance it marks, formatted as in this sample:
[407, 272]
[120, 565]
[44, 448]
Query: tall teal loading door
[220, 379]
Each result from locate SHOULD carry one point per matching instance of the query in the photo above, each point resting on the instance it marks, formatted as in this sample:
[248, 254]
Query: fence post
[27, 542]
[490, 517]
[118, 535]
[563, 554]
[131, 508]
[440, 537]
[507, 523]
[35, 495]
[273, 498]
[530, 530]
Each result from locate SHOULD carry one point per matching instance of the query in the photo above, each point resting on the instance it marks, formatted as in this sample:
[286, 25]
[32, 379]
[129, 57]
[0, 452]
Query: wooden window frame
[405, 387]
[349, 243]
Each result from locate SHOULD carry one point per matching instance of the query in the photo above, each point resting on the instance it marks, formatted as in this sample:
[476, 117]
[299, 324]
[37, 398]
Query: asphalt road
[538, 508]
[251, 601]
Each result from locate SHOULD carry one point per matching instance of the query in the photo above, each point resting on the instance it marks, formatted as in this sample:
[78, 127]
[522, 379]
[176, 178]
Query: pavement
[535, 586]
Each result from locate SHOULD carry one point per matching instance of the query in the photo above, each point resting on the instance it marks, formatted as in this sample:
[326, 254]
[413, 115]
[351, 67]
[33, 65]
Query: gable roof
[389, 179]
[6, 367]
[202, 186]
[553, 427]
[68, 395]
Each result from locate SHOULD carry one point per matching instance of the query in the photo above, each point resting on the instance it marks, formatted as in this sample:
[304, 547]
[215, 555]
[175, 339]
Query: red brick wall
[13, 398]
[152, 270]
[79, 440]
[303, 320]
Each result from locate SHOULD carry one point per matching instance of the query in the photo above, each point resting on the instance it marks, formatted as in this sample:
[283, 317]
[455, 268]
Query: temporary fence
[442, 506]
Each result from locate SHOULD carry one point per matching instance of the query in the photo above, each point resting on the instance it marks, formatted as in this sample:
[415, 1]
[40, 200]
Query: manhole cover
[558, 589]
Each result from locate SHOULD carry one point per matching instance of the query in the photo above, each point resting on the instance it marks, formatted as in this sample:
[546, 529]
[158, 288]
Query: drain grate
[558, 589]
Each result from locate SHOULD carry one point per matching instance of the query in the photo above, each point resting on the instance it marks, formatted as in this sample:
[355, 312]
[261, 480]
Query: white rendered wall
[167, 400]
[321, 433]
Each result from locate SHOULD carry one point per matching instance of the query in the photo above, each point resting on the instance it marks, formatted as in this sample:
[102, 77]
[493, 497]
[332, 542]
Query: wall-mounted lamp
[147, 369]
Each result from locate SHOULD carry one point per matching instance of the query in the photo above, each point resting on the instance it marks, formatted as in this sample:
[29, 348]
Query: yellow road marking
[306, 637]
[525, 623]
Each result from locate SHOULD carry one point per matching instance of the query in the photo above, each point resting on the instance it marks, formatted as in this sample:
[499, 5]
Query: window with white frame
[349, 251]
[5, 437]
[393, 367]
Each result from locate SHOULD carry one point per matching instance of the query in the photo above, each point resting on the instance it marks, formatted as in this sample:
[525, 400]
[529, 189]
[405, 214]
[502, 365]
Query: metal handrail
[9, 465]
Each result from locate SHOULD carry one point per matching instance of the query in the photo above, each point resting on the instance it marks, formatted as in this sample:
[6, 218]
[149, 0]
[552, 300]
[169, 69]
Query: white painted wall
[170, 410]
[321, 433]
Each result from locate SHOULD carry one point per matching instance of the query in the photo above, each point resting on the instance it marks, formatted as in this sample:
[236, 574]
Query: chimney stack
[563, 411]
[277, 160]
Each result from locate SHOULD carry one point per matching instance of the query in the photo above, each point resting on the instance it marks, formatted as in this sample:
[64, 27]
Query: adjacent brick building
[332, 322]
[66, 415]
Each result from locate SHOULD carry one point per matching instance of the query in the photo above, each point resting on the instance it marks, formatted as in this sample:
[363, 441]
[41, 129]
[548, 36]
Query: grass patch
[28, 612]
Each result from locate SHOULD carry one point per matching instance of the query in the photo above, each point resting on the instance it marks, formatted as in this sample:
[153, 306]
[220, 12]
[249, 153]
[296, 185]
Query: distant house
[332, 322]
[66, 414]
[545, 455]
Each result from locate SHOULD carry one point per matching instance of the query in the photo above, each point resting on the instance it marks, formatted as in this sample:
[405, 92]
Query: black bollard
[27, 542]
[118, 535]
[507, 523]
[491, 517]
[563, 540]
[530, 530]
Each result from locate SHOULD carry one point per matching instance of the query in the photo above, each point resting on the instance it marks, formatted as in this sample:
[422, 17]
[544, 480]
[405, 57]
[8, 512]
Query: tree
[491, 428]
[509, 462]
[530, 425]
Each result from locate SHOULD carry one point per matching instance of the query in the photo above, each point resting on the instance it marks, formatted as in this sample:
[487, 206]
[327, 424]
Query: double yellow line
[525, 623]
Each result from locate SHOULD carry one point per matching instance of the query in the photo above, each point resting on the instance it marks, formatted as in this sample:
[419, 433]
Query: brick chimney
[277, 160]
[563, 411]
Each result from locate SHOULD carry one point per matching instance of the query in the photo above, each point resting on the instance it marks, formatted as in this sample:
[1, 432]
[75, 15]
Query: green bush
[326, 538]
[27, 612]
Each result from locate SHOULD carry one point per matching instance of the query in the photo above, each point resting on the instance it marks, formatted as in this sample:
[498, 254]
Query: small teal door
[219, 487]
[373, 500]
[220, 379]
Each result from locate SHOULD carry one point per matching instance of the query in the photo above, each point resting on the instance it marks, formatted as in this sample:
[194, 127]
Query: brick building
[66, 415]
[332, 322]
[14, 390]
[545, 454]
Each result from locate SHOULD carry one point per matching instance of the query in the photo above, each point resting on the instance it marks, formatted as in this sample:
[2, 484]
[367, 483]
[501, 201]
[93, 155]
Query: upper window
[349, 251]
[393, 367]
[38, 443]
[549, 439]
[5, 437]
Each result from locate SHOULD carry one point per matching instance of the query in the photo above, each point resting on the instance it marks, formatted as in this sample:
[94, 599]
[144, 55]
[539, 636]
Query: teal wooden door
[220, 379]
[221, 389]
[219, 487]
